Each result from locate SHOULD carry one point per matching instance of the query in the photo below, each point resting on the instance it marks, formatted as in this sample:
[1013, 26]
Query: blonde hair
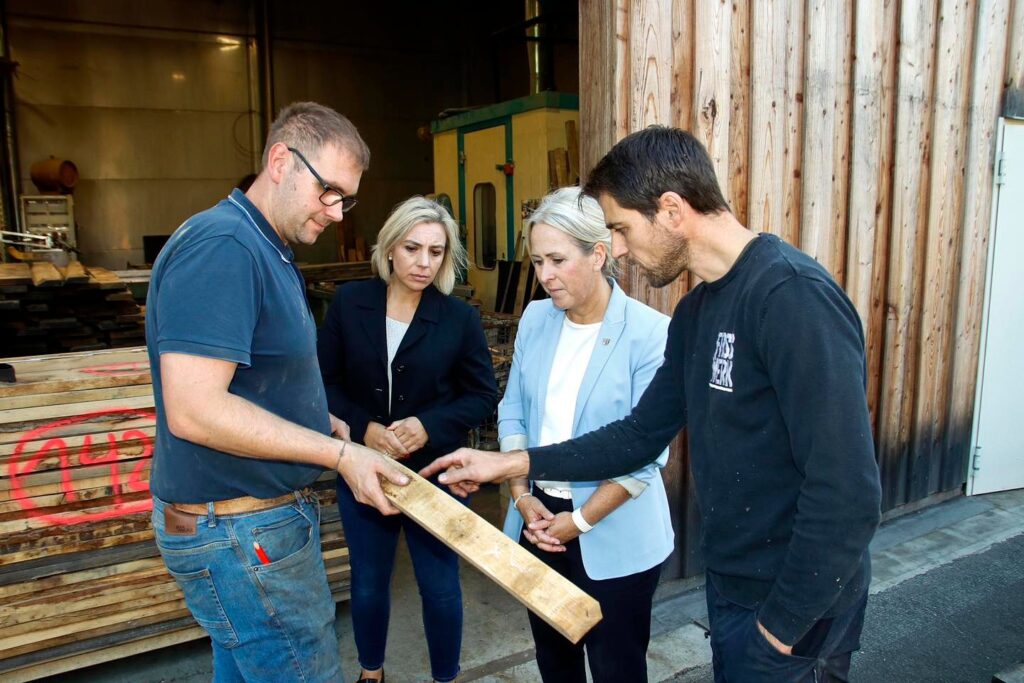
[580, 217]
[403, 218]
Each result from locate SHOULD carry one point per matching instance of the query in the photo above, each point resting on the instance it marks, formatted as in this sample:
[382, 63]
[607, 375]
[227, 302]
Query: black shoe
[372, 680]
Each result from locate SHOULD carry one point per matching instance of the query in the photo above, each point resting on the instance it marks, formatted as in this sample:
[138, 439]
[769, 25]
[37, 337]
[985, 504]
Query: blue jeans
[372, 540]
[267, 622]
[742, 654]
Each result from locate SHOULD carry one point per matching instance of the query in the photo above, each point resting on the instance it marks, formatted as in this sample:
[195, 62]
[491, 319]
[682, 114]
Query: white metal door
[997, 456]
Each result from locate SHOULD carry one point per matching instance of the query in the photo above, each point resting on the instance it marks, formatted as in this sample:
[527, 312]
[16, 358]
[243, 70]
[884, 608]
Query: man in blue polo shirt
[242, 422]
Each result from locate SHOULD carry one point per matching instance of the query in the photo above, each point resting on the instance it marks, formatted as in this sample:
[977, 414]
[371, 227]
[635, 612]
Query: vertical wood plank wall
[862, 132]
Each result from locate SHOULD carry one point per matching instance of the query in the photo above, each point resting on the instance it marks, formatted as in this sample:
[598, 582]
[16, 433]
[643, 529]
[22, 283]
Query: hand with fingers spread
[410, 432]
[465, 469]
[380, 438]
[362, 469]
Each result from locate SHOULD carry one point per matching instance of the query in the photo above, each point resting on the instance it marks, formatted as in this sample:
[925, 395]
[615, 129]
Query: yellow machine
[492, 162]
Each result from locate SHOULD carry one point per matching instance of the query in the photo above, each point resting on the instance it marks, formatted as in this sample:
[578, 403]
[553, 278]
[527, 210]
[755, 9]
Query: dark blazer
[442, 372]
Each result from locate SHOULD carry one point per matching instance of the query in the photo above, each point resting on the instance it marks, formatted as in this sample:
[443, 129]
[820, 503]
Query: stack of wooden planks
[81, 581]
[48, 309]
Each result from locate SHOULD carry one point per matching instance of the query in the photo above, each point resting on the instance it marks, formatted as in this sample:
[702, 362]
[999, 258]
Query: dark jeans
[741, 653]
[372, 540]
[617, 647]
[267, 622]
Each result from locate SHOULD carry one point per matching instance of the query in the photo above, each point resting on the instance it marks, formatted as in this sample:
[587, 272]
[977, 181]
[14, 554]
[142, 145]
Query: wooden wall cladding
[862, 133]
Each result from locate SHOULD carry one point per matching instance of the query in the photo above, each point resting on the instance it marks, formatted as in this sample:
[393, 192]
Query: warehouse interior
[162, 106]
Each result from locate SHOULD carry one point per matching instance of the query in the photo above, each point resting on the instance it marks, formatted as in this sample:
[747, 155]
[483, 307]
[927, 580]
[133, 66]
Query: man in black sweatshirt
[765, 366]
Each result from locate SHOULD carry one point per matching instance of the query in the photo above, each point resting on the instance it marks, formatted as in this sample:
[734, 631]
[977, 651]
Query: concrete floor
[930, 570]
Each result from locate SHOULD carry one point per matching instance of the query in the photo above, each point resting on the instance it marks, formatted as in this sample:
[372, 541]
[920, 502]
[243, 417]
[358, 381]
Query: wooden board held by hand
[549, 595]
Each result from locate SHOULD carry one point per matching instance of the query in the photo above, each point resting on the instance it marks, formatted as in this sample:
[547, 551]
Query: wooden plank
[33, 642]
[713, 78]
[132, 419]
[793, 155]
[74, 273]
[572, 143]
[46, 412]
[1014, 78]
[68, 398]
[739, 114]
[12, 274]
[77, 546]
[336, 272]
[558, 168]
[101, 278]
[942, 255]
[45, 274]
[600, 46]
[871, 175]
[841, 142]
[903, 301]
[767, 116]
[104, 653]
[821, 89]
[650, 54]
[989, 56]
[546, 593]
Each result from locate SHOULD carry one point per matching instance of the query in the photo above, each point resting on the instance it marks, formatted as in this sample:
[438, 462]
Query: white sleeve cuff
[634, 487]
[513, 442]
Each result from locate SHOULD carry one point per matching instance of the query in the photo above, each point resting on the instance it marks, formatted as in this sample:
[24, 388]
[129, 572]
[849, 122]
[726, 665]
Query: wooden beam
[542, 590]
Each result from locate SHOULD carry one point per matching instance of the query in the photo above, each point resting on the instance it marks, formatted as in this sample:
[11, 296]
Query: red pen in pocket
[260, 553]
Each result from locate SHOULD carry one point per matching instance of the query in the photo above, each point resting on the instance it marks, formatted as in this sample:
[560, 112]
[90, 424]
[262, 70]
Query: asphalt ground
[961, 622]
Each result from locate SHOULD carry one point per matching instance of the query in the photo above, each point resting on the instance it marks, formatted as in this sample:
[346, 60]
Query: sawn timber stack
[81, 581]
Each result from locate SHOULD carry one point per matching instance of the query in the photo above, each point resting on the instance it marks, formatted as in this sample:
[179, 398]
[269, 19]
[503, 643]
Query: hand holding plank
[546, 593]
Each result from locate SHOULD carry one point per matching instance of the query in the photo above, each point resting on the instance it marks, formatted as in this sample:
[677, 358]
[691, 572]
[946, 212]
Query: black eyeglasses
[330, 196]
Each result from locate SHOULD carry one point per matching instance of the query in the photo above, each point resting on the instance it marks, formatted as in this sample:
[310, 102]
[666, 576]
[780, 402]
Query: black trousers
[617, 647]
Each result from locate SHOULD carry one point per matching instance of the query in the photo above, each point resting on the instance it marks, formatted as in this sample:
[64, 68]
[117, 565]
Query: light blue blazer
[630, 348]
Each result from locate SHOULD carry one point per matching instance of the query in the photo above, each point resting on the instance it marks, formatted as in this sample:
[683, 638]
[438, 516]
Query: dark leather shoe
[372, 680]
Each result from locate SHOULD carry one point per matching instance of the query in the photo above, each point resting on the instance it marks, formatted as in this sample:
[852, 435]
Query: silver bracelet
[341, 453]
[515, 503]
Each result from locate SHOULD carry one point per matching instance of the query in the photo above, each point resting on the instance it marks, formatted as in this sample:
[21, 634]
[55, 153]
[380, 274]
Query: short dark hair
[648, 163]
[310, 127]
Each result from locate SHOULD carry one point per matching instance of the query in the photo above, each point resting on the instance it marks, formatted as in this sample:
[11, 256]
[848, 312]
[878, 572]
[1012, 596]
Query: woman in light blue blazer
[582, 359]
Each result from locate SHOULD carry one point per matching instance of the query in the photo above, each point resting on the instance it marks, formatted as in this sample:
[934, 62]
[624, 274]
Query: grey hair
[580, 217]
[309, 127]
[403, 218]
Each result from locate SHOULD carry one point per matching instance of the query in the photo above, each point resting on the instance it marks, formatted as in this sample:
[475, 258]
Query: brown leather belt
[237, 506]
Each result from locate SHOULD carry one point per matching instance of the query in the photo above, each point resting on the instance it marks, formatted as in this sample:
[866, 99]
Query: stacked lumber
[47, 309]
[336, 272]
[81, 580]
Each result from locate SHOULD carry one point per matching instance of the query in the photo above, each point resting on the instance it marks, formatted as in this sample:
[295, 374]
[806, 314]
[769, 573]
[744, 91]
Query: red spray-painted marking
[24, 463]
[130, 367]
